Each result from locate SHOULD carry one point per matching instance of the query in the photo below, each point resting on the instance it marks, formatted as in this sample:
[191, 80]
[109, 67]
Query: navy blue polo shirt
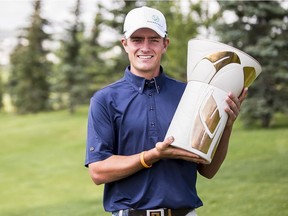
[131, 116]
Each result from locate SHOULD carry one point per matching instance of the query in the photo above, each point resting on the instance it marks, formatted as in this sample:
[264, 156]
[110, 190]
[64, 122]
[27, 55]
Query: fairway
[42, 172]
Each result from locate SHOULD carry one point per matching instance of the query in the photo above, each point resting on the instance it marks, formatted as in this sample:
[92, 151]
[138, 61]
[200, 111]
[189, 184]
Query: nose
[145, 45]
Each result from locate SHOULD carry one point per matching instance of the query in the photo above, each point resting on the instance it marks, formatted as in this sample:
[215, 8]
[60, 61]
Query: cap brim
[152, 27]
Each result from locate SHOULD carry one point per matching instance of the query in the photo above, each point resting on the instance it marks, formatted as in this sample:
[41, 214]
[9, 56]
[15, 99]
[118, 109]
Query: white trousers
[192, 213]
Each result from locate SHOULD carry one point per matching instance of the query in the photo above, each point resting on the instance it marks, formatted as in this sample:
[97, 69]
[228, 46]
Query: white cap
[145, 17]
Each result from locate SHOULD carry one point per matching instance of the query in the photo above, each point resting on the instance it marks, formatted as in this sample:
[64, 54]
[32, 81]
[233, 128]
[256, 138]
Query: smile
[145, 56]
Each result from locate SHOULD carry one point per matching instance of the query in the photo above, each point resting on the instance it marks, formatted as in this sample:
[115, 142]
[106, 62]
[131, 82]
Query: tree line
[84, 63]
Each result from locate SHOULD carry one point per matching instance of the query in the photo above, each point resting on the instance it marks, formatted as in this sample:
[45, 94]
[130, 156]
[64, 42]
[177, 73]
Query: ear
[166, 44]
[124, 44]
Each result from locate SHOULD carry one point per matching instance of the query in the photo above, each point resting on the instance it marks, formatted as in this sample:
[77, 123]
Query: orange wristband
[144, 164]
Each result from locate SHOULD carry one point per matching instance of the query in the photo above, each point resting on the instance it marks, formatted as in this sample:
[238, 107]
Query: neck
[145, 74]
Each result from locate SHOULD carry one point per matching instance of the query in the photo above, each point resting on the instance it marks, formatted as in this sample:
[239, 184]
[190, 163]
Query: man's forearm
[209, 170]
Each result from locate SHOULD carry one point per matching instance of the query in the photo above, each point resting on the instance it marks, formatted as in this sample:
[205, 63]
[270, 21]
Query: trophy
[213, 70]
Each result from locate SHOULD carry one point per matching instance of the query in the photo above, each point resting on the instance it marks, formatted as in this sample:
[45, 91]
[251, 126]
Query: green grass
[254, 177]
[42, 170]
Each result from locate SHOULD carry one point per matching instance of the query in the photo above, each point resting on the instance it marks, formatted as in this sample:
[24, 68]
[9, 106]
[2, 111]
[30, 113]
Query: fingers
[238, 101]
[243, 95]
[169, 140]
[161, 146]
[233, 107]
[194, 158]
[165, 150]
[234, 104]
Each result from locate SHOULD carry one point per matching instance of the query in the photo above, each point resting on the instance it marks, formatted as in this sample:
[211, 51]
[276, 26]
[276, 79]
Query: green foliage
[181, 28]
[100, 64]
[111, 56]
[29, 87]
[71, 79]
[89, 62]
[42, 170]
[261, 29]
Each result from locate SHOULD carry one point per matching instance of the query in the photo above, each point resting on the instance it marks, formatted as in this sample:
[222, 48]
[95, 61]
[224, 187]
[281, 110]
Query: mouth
[145, 56]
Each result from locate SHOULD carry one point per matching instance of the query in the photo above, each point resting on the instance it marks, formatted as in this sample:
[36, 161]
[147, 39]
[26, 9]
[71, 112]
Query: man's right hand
[166, 150]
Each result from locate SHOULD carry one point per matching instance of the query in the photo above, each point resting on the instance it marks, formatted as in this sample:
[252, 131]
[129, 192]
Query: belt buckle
[155, 212]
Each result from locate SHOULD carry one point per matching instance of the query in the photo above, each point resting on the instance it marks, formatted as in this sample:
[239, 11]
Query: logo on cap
[155, 18]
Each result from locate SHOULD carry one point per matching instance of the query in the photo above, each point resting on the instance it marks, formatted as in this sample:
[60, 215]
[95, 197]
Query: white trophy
[213, 70]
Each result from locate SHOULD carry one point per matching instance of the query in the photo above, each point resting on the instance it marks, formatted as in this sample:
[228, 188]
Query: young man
[128, 120]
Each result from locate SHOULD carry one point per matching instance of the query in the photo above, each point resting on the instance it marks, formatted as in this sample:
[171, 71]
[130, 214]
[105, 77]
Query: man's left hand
[234, 103]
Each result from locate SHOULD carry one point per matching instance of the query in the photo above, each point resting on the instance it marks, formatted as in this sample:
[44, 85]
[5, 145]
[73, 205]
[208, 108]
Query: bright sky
[15, 14]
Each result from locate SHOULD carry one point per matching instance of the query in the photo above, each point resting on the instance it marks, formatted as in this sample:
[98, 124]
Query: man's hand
[165, 150]
[234, 103]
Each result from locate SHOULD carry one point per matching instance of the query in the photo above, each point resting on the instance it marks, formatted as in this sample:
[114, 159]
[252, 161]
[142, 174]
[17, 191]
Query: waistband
[155, 212]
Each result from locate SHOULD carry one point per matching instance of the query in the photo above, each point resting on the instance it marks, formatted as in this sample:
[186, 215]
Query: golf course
[42, 171]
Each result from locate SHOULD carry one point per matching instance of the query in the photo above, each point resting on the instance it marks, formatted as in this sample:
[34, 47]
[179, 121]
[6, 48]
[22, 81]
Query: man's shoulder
[112, 92]
[115, 86]
[175, 81]
[172, 82]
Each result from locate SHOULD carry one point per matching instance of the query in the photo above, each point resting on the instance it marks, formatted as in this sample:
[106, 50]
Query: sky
[15, 14]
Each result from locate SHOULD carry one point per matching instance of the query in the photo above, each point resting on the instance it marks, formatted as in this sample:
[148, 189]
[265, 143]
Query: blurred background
[54, 54]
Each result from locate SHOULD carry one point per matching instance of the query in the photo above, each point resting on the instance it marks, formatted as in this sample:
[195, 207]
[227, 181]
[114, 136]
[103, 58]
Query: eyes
[139, 40]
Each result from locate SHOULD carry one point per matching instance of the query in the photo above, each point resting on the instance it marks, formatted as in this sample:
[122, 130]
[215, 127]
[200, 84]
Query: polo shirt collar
[139, 83]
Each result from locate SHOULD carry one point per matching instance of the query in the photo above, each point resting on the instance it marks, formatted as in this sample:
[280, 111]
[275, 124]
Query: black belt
[159, 212]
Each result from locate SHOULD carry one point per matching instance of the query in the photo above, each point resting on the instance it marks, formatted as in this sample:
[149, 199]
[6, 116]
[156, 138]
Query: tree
[30, 68]
[71, 80]
[181, 28]
[260, 29]
[103, 65]
[104, 58]
[98, 54]
[119, 61]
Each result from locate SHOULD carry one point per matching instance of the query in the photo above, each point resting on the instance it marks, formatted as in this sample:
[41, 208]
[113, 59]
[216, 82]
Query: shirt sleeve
[100, 134]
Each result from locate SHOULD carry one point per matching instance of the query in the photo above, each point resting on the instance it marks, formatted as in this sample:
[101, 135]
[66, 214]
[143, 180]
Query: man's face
[145, 48]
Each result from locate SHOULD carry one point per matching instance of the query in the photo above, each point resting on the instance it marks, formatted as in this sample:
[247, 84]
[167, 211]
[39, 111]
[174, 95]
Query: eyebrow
[141, 37]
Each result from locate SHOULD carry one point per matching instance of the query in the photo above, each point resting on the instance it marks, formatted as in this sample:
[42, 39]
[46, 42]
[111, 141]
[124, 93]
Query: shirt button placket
[152, 113]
